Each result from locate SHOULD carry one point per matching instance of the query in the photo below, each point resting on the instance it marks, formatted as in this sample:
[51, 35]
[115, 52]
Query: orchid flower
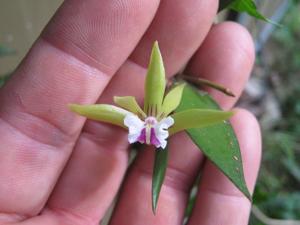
[153, 124]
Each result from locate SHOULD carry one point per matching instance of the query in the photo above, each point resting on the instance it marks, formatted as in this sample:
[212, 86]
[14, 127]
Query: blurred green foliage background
[278, 187]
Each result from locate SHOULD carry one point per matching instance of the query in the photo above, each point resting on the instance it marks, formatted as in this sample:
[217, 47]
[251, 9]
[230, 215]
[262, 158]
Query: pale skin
[56, 168]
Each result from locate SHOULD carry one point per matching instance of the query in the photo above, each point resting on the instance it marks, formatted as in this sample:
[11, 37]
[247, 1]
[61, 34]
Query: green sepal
[197, 118]
[101, 112]
[172, 99]
[155, 83]
[159, 173]
[129, 103]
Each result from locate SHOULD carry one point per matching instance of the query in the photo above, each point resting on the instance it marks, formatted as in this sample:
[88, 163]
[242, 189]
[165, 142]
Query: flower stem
[203, 82]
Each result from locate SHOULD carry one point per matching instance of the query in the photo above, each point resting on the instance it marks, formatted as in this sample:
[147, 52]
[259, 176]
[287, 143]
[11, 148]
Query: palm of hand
[57, 169]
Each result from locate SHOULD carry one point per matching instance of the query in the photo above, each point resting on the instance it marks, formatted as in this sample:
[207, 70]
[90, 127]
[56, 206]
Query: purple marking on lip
[153, 139]
[142, 137]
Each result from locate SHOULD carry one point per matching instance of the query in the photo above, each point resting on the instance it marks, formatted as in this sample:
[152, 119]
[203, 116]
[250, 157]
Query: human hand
[57, 169]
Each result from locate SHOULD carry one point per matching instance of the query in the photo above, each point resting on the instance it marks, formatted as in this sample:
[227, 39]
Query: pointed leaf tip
[155, 83]
[218, 142]
[249, 7]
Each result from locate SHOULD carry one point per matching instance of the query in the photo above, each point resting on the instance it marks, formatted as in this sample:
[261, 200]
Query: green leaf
[246, 6]
[101, 112]
[197, 118]
[172, 99]
[249, 7]
[129, 103]
[159, 172]
[155, 83]
[218, 142]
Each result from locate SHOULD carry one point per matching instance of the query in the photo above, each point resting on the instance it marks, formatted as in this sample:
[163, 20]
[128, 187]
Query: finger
[73, 61]
[219, 201]
[103, 148]
[174, 19]
[230, 69]
[134, 205]
[185, 158]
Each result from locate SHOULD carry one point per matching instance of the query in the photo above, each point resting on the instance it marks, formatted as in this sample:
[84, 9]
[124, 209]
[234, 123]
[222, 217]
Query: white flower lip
[150, 131]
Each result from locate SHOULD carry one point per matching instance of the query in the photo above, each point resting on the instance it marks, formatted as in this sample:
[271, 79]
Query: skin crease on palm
[58, 169]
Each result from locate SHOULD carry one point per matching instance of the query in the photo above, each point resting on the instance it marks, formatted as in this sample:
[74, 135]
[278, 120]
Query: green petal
[129, 103]
[196, 118]
[172, 100]
[155, 83]
[101, 112]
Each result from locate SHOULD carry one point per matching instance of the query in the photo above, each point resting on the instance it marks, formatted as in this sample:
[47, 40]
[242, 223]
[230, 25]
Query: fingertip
[248, 133]
[235, 34]
[218, 198]
[226, 57]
